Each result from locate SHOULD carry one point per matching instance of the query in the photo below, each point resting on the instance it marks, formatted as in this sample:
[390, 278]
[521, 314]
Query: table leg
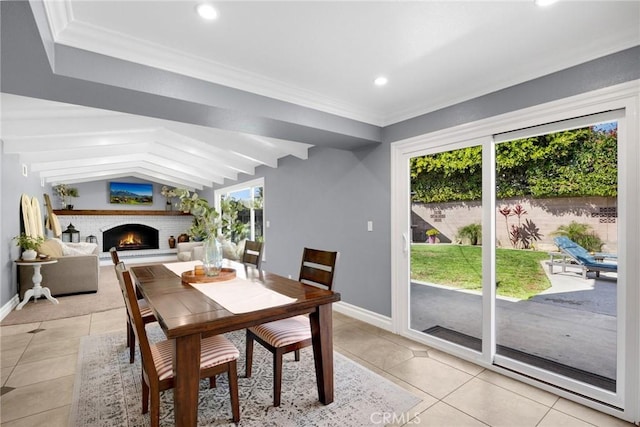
[47, 294]
[322, 337]
[186, 368]
[37, 291]
[27, 295]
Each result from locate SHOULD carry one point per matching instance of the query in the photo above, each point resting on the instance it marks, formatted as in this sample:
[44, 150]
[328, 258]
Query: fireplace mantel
[77, 212]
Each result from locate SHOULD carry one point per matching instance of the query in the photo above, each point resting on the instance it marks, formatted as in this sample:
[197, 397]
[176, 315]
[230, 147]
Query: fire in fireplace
[131, 241]
[130, 237]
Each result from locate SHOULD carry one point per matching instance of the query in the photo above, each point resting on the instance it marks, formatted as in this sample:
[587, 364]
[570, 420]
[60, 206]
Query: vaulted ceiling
[72, 144]
[318, 59]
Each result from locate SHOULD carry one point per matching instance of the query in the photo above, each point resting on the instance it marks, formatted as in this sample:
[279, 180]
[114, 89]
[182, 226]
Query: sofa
[190, 251]
[77, 270]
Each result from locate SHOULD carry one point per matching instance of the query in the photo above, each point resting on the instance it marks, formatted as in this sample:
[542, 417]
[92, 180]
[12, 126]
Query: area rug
[107, 390]
[108, 297]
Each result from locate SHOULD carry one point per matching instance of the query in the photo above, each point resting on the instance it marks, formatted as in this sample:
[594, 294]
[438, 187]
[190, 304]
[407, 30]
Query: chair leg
[155, 408]
[277, 377]
[249, 355]
[145, 397]
[297, 355]
[212, 382]
[233, 390]
[129, 329]
[132, 344]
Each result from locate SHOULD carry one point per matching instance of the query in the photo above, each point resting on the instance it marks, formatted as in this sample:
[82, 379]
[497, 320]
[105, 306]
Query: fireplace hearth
[130, 237]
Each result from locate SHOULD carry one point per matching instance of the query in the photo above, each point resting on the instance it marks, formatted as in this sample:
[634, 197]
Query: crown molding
[59, 15]
[71, 32]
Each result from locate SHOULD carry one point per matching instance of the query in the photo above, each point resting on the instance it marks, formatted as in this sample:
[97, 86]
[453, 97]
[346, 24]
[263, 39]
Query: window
[241, 207]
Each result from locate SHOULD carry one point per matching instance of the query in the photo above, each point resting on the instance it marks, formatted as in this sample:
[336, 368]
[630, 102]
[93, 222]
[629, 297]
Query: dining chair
[145, 312]
[294, 333]
[218, 355]
[252, 255]
[115, 258]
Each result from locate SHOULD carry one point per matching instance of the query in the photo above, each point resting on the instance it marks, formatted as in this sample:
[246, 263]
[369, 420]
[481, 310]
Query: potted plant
[205, 217]
[431, 235]
[169, 194]
[65, 192]
[472, 232]
[29, 245]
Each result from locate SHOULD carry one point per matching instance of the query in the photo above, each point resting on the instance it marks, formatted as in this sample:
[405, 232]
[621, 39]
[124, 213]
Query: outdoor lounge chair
[583, 258]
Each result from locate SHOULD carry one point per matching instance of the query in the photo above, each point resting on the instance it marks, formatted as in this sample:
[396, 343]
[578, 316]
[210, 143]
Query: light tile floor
[39, 362]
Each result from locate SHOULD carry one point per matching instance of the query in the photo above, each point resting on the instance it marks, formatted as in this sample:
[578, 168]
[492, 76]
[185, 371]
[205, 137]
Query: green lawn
[519, 273]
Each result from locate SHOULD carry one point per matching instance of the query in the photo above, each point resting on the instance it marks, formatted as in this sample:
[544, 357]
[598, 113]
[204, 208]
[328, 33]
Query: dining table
[188, 311]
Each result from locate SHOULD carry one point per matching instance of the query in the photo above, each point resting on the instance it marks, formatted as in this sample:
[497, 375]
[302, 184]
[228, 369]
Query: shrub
[472, 232]
[581, 234]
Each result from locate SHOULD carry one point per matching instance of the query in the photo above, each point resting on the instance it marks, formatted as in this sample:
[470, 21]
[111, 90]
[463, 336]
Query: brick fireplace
[97, 223]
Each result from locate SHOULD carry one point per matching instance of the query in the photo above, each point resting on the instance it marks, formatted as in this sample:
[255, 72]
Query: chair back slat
[252, 254]
[318, 267]
[133, 311]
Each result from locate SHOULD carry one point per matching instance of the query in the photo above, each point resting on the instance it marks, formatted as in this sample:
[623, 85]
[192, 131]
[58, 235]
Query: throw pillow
[50, 247]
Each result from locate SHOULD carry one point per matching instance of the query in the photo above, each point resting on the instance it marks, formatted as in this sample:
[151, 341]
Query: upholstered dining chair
[292, 334]
[252, 255]
[218, 355]
[145, 312]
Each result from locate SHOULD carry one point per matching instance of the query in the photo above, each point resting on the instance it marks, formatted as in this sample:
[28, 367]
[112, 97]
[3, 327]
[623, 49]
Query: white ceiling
[320, 54]
[72, 144]
[327, 54]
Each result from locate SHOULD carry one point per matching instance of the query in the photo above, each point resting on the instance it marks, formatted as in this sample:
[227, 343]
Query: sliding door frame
[625, 403]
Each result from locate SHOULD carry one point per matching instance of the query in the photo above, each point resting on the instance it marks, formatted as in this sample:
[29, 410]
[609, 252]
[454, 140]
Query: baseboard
[9, 306]
[375, 319]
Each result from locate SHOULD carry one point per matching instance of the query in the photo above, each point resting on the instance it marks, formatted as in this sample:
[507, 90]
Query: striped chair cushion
[284, 332]
[145, 311]
[216, 350]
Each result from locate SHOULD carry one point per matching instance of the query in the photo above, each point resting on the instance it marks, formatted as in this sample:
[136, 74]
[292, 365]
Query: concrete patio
[572, 323]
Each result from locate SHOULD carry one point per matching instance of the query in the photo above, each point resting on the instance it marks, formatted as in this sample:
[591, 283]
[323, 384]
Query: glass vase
[212, 257]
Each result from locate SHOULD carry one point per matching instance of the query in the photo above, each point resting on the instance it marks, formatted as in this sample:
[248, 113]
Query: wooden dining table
[185, 314]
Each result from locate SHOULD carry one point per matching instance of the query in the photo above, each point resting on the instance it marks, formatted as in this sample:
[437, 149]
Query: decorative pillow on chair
[51, 247]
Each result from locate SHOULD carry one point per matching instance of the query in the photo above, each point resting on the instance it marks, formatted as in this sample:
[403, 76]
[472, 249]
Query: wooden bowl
[225, 274]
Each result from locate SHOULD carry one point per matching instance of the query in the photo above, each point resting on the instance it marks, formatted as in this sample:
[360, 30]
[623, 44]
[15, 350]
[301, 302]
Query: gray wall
[324, 203]
[13, 184]
[95, 195]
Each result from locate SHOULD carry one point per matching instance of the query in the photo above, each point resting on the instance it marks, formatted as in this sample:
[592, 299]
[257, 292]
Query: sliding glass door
[556, 250]
[446, 251]
[514, 244]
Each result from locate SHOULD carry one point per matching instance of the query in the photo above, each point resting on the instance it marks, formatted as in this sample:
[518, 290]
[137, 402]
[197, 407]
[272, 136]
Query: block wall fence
[547, 214]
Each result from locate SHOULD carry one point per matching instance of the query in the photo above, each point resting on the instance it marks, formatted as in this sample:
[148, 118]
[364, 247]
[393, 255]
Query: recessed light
[206, 11]
[543, 3]
[381, 81]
